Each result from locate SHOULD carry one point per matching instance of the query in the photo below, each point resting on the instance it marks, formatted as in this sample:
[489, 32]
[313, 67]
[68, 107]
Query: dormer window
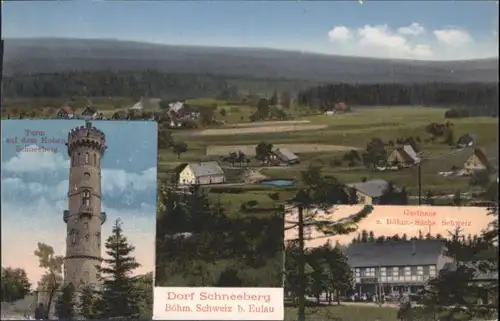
[86, 198]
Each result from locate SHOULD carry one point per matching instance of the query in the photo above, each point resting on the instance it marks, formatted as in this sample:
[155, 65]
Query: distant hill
[48, 55]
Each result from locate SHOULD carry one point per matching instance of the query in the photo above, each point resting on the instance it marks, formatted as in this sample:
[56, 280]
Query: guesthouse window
[432, 270]
[426, 270]
[420, 270]
[413, 270]
[407, 271]
[86, 198]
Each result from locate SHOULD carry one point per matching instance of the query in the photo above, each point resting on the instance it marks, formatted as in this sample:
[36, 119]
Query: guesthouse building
[395, 267]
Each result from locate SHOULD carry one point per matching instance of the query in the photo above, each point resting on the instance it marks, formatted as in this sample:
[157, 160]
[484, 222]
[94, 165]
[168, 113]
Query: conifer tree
[88, 303]
[65, 305]
[119, 298]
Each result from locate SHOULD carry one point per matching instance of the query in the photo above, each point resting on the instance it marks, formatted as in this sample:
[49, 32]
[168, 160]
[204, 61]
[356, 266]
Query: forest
[200, 243]
[116, 84]
[478, 98]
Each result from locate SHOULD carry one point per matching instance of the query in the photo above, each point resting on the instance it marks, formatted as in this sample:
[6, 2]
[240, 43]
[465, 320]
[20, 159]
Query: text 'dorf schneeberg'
[185, 303]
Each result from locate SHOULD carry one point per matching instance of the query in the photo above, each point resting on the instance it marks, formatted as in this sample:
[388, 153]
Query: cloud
[414, 29]
[27, 162]
[339, 33]
[32, 174]
[383, 40]
[118, 180]
[409, 42]
[453, 37]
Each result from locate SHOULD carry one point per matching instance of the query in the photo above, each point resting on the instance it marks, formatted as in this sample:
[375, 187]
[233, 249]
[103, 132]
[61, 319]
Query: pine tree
[65, 305]
[88, 303]
[119, 297]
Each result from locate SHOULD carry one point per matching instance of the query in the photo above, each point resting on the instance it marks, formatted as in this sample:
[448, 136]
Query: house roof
[372, 188]
[176, 106]
[395, 253]
[68, 110]
[341, 106]
[137, 106]
[411, 152]
[206, 169]
[408, 154]
[90, 111]
[481, 155]
[285, 154]
[465, 139]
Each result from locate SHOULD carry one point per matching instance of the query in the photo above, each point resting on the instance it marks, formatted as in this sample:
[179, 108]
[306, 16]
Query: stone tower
[86, 146]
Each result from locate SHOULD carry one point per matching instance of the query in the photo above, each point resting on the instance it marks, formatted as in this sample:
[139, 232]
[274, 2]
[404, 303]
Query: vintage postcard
[78, 204]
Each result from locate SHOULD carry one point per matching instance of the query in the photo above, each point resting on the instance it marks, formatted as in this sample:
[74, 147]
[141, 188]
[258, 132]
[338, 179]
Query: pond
[277, 182]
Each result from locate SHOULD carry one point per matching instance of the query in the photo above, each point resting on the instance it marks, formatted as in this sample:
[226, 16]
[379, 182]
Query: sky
[35, 186]
[430, 30]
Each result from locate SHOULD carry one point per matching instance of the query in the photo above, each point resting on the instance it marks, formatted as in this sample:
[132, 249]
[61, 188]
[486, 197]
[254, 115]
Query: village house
[65, 112]
[404, 156]
[369, 192]
[477, 161]
[137, 106]
[283, 157]
[338, 108]
[466, 140]
[203, 173]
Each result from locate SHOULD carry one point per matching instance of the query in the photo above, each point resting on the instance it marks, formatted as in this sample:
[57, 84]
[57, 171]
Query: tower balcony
[103, 217]
[66, 216]
[85, 210]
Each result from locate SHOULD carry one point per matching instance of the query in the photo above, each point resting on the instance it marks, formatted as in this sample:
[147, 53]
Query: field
[327, 145]
[317, 139]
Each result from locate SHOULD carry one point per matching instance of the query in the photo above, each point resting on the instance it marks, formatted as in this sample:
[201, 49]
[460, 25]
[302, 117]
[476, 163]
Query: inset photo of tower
[78, 218]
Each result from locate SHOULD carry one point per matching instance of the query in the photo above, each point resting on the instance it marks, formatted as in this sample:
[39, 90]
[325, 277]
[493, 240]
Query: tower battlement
[86, 136]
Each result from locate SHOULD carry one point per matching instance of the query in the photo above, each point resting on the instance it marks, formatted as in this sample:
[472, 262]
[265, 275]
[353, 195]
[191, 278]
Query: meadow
[318, 139]
[341, 133]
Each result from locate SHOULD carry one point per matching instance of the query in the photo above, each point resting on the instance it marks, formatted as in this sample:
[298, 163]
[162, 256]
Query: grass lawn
[345, 313]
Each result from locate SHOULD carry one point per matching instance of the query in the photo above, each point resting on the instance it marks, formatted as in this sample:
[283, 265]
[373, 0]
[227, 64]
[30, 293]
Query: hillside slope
[49, 55]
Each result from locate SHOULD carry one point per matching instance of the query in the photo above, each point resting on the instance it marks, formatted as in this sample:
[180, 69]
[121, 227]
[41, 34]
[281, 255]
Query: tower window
[95, 159]
[86, 158]
[86, 198]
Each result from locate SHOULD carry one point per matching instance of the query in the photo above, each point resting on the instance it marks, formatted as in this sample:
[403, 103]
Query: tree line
[108, 83]
[477, 98]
